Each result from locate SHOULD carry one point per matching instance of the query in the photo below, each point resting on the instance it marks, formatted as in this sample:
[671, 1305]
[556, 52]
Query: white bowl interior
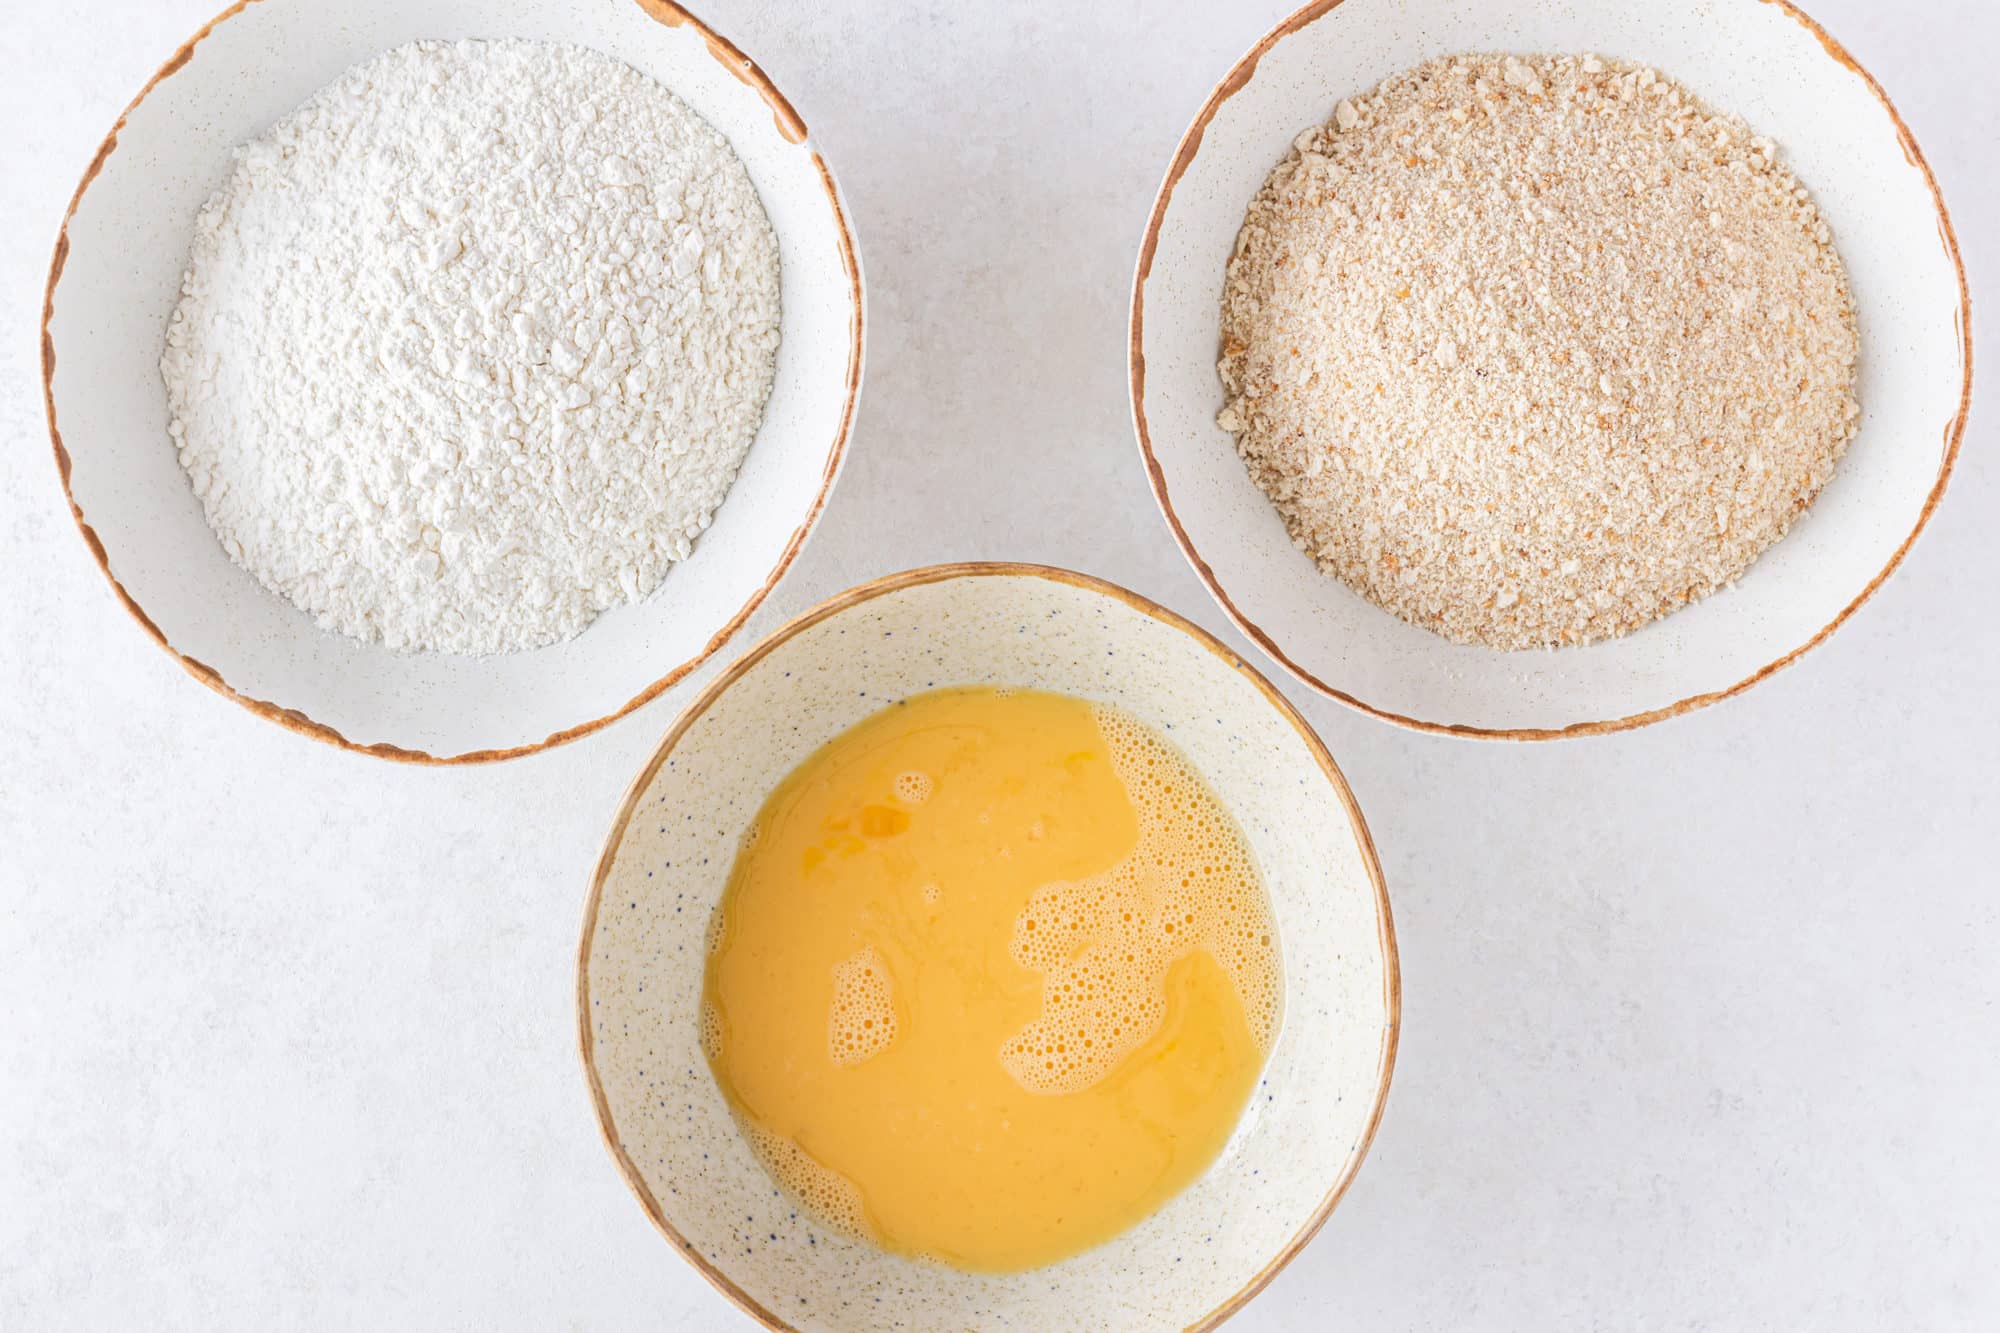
[128, 245]
[1309, 1119]
[1748, 57]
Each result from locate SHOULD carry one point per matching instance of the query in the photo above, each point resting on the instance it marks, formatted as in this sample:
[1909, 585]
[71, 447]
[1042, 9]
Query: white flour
[471, 345]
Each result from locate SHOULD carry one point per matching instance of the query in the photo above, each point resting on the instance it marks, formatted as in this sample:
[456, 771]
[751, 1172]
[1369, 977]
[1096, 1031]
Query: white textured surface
[1699, 1022]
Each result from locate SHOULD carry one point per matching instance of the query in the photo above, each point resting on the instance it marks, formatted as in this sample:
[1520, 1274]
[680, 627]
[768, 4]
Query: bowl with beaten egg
[988, 948]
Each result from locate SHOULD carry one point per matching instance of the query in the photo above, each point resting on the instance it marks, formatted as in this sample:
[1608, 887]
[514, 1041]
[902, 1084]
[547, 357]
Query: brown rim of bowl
[1392, 984]
[1954, 430]
[790, 127]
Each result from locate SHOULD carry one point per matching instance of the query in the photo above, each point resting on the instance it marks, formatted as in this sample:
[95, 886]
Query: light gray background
[1699, 1022]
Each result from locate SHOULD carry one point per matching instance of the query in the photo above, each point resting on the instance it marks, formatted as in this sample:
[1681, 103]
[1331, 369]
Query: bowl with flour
[1526, 371]
[445, 381]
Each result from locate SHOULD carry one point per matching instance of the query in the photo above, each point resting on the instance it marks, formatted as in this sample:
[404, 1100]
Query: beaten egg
[992, 979]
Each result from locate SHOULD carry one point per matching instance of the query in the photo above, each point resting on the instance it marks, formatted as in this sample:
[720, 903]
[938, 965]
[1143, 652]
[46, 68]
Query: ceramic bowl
[1760, 59]
[116, 276]
[675, 838]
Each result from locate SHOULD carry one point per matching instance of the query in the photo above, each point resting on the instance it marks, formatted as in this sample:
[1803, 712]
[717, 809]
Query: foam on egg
[913, 788]
[1104, 944]
[830, 1196]
[862, 1020]
[711, 1029]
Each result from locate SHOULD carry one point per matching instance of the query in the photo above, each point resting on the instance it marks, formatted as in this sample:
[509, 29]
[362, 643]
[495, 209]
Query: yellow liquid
[992, 979]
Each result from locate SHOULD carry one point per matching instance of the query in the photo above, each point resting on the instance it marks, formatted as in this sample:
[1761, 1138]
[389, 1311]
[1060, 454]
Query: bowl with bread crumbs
[445, 380]
[1522, 371]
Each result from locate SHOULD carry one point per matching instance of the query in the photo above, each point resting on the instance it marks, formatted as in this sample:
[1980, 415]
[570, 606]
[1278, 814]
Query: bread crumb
[1579, 348]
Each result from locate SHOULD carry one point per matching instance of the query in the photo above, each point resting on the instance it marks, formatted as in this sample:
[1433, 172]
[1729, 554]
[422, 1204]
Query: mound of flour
[471, 345]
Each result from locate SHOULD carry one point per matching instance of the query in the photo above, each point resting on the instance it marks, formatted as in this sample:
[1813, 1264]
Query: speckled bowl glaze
[1762, 60]
[640, 966]
[116, 275]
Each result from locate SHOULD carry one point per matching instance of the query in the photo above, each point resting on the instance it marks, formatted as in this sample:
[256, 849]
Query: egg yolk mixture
[992, 979]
